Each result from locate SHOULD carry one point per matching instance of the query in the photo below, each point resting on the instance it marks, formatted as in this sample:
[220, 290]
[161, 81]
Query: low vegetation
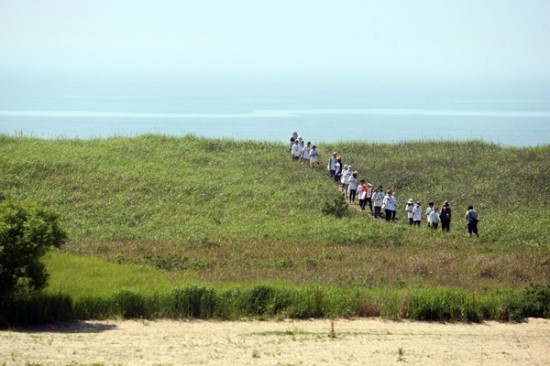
[149, 216]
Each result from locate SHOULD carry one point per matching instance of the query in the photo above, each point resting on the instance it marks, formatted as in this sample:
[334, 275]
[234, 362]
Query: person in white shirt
[296, 151]
[409, 208]
[332, 165]
[433, 218]
[347, 176]
[343, 178]
[378, 198]
[361, 193]
[390, 204]
[428, 212]
[368, 196]
[417, 214]
[314, 158]
[472, 220]
[292, 139]
[304, 158]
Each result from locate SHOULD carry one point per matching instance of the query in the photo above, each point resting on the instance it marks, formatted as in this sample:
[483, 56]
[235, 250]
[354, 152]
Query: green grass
[151, 213]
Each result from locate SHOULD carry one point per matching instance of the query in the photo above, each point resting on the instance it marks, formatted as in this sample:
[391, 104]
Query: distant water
[320, 111]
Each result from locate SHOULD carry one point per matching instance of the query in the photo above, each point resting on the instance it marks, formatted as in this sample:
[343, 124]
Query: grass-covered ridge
[156, 188]
[240, 213]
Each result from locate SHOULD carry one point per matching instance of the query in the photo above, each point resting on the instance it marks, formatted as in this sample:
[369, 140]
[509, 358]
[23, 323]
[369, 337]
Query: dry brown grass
[465, 264]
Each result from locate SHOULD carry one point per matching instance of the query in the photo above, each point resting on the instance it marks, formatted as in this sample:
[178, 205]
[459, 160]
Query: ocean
[319, 110]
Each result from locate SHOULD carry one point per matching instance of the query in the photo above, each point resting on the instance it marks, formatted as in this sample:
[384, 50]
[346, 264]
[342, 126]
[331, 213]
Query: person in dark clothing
[445, 216]
[472, 220]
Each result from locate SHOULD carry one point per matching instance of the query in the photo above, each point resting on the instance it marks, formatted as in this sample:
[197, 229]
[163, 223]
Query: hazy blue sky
[406, 39]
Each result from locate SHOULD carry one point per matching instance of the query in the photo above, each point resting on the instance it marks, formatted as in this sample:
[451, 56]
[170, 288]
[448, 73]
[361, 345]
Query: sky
[434, 40]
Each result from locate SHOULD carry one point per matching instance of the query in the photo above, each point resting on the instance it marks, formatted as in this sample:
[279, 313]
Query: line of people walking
[382, 204]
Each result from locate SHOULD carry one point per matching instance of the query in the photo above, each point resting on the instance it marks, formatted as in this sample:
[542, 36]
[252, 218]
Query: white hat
[410, 201]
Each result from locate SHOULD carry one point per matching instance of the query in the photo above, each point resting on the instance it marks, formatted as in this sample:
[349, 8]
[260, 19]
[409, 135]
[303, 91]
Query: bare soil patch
[289, 342]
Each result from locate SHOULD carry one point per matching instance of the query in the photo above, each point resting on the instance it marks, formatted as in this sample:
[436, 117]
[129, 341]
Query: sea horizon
[321, 111]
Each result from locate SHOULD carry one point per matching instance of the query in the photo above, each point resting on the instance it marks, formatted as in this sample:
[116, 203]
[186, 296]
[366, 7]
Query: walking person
[368, 196]
[314, 158]
[306, 152]
[417, 214]
[409, 208]
[346, 176]
[472, 219]
[445, 216]
[390, 205]
[338, 170]
[362, 193]
[378, 198]
[352, 188]
[332, 165]
[429, 211]
[343, 177]
[433, 218]
[296, 150]
[292, 139]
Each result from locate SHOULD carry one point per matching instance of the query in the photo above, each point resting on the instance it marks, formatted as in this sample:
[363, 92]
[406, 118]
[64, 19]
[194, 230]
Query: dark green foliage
[335, 205]
[91, 307]
[193, 302]
[262, 301]
[259, 300]
[131, 304]
[309, 303]
[537, 299]
[37, 308]
[26, 233]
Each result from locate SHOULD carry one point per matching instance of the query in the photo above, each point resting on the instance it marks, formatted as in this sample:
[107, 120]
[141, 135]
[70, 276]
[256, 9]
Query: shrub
[336, 207]
[26, 233]
[537, 300]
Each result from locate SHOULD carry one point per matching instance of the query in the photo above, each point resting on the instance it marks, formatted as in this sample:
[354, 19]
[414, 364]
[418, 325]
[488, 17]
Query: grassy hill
[226, 212]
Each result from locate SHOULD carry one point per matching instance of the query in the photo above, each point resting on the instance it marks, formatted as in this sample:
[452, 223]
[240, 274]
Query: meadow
[224, 224]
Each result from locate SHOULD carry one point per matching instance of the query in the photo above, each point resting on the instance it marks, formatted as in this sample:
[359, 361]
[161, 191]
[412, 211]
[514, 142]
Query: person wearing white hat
[409, 208]
[417, 214]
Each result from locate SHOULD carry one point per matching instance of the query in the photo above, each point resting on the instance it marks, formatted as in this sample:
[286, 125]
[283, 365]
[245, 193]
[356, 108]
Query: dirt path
[352, 342]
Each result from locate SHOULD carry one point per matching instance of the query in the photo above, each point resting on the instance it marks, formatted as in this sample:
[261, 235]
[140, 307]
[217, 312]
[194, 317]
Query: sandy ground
[351, 342]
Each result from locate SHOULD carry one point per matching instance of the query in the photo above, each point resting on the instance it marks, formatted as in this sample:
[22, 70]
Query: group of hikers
[382, 203]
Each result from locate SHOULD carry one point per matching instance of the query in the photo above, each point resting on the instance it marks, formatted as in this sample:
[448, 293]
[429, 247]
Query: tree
[26, 233]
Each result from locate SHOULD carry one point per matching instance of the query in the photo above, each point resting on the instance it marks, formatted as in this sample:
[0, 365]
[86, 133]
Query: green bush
[26, 233]
[537, 300]
[335, 206]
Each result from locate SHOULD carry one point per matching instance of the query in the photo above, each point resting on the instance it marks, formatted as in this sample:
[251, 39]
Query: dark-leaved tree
[26, 233]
